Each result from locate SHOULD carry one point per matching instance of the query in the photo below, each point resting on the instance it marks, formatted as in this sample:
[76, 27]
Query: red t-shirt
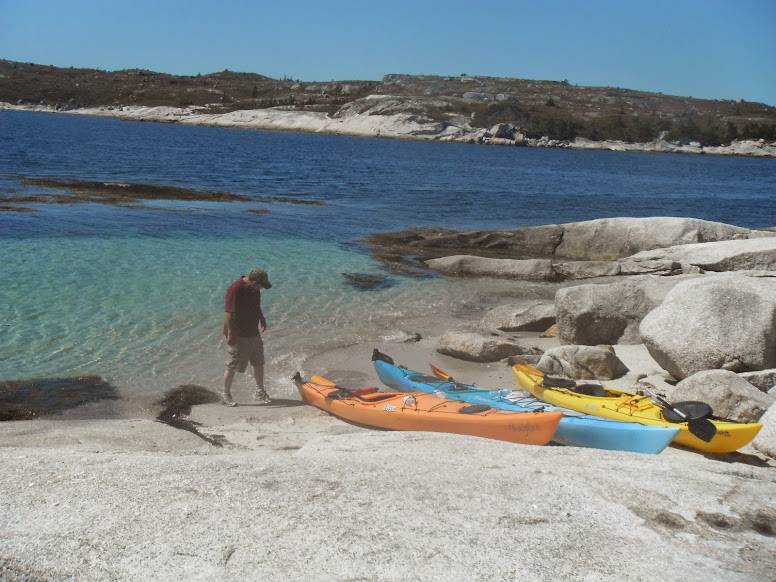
[245, 303]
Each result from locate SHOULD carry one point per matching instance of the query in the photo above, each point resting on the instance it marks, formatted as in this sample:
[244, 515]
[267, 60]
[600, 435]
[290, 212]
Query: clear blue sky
[715, 49]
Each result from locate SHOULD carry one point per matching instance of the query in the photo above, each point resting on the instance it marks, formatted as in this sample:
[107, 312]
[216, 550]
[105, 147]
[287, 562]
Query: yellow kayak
[630, 407]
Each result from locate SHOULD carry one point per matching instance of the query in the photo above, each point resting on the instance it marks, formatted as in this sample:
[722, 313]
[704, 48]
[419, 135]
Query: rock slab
[723, 321]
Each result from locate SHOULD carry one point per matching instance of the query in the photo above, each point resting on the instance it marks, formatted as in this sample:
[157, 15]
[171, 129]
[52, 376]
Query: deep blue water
[368, 184]
[136, 294]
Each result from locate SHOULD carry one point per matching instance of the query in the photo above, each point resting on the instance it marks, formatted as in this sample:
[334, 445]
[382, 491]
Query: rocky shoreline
[285, 491]
[397, 126]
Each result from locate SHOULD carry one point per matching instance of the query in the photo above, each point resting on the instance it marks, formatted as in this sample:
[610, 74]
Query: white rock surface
[715, 321]
[295, 494]
[730, 396]
[756, 254]
[583, 362]
[363, 118]
[525, 270]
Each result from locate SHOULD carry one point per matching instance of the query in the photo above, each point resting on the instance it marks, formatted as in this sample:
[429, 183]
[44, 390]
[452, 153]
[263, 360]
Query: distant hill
[554, 109]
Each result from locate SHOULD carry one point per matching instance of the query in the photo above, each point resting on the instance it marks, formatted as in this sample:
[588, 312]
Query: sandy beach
[295, 494]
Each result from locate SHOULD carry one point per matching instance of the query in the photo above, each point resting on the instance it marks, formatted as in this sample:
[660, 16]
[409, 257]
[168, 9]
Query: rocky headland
[462, 109]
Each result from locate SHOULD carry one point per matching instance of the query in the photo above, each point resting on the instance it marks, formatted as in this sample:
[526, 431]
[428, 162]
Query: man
[242, 328]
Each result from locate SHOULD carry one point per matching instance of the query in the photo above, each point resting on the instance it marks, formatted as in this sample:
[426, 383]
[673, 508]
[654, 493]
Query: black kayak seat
[692, 409]
[590, 390]
[474, 408]
[425, 379]
[555, 382]
[586, 389]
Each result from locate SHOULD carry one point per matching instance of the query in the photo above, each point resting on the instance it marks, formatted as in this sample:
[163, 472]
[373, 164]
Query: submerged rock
[367, 282]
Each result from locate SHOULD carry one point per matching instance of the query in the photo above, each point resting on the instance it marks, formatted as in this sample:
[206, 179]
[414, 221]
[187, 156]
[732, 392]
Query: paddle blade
[439, 373]
[321, 381]
[702, 428]
[526, 369]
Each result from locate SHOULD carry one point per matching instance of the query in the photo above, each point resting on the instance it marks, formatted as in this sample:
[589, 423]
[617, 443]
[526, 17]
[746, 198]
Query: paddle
[439, 373]
[342, 391]
[700, 426]
[320, 380]
[442, 375]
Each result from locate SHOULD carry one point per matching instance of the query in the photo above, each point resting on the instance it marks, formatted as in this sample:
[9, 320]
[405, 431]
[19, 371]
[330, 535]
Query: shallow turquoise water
[146, 314]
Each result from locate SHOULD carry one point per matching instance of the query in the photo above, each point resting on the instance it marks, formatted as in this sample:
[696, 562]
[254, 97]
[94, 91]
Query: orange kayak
[419, 411]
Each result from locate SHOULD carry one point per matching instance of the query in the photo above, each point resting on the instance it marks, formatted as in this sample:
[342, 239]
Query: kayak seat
[555, 382]
[590, 390]
[692, 409]
[374, 397]
[424, 379]
[377, 397]
[474, 408]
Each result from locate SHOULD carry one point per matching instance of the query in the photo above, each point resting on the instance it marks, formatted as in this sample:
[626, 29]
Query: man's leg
[226, 397]
[228, 379]
[261, 394]
[257, 359]
[258, 373]
[236, 362]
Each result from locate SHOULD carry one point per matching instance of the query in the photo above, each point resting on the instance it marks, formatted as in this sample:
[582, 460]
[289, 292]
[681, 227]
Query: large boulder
[723, 321]
[471, 346]
[536, 317]
[610, 313]
[763, 380]
[583, 363]
[523, 270]
[501, 131]
[730, 255]
[765, 441]
[615, 238]
[729, 395]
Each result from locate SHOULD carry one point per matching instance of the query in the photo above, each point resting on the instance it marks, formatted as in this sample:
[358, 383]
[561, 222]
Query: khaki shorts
[245, 350]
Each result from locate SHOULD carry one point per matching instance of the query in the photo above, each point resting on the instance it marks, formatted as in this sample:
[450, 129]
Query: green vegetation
[553, 109]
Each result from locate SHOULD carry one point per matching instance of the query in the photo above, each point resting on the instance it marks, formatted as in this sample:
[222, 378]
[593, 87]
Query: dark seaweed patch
[177, 405]
[27, 399]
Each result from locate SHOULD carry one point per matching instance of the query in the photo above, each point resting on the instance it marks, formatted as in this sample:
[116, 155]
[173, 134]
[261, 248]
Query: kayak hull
[631, 407]
[573, 430]
[432, 414]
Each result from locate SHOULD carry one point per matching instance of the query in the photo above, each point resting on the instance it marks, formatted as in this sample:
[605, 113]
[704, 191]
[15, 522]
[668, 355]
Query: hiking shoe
[262, 396]
[227, 401]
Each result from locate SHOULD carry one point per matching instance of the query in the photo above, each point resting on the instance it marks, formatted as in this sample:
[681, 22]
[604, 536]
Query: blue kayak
[575, 429]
